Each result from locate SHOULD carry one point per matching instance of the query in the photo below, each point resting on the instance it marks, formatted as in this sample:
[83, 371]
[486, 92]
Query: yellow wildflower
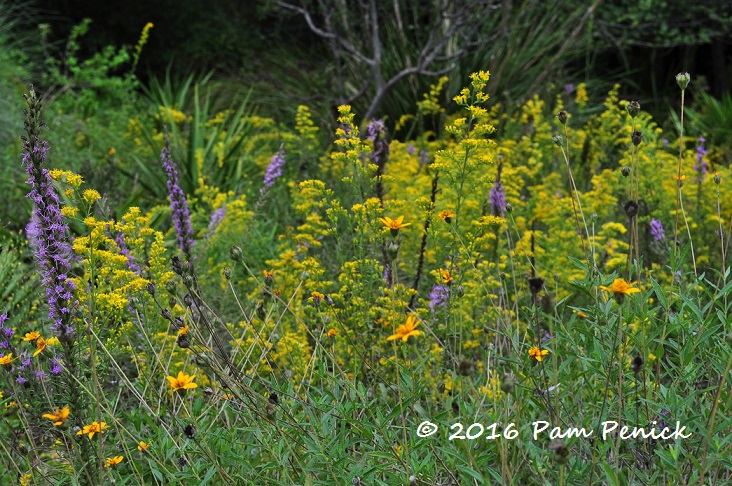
[537, 353]
[405, 331]
[143, 446]
[394, 224]
[40, 346]
[332, 333]
[113, 461]
[6, 359]
[32, 336]
[58, 417]
[182, 382]
[445, 276]
[93, 428]
[621, 287]
[447, 215]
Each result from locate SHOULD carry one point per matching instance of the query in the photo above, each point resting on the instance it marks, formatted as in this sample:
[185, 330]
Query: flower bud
[392, 248]
[562, 116]
[178, 323]
[509, 208]
[557, 139]
[507, 383]
[625, 171]
[636, 137]
[166, 314]
[682, 79]
[633, 108]
[150, 287]
[227, 273]
[717, 178]
[190, 431]
[236, 254]
[188, 300]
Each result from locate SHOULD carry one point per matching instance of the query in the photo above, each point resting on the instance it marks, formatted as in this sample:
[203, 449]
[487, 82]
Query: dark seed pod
[190, 431]
[636, 137]
[631, 209]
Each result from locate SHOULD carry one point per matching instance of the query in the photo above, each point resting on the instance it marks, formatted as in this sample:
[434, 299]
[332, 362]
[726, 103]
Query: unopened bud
[625, 170]
[227, 273]
[236, 254]
[150, 287]
[557, 139]
[717, 178]
[633, 108]
[683, 79]
[562, 116]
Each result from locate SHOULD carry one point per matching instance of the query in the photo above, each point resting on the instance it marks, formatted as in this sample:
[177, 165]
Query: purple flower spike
[47, 230]
[657, 230]
[178, 203]
[274, 170]
[497, 198]
[439, 297]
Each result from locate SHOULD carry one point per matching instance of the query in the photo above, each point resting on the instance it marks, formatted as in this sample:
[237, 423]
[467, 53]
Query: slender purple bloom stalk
[657, 230]
[274, 170]
[497, 198]
[47, 230]
[439, 296]
[178, 203]
[701, 165]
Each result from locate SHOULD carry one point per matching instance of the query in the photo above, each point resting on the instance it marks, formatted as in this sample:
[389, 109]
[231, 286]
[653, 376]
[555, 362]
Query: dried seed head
[631, 209]
[184, 341]
[535, 285]
[636, 137]
[637, 364]
[177, 265]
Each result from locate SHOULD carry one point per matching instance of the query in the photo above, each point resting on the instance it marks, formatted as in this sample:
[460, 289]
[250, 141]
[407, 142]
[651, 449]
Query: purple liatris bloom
[216, 218]
[701, 165]
[376, 132]
[657, 230]
[178, 202]
[439, 296]
[47, 230]
[498, 199]
[56, 367]
[274, 170]
[125, 252]
[387, 275]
